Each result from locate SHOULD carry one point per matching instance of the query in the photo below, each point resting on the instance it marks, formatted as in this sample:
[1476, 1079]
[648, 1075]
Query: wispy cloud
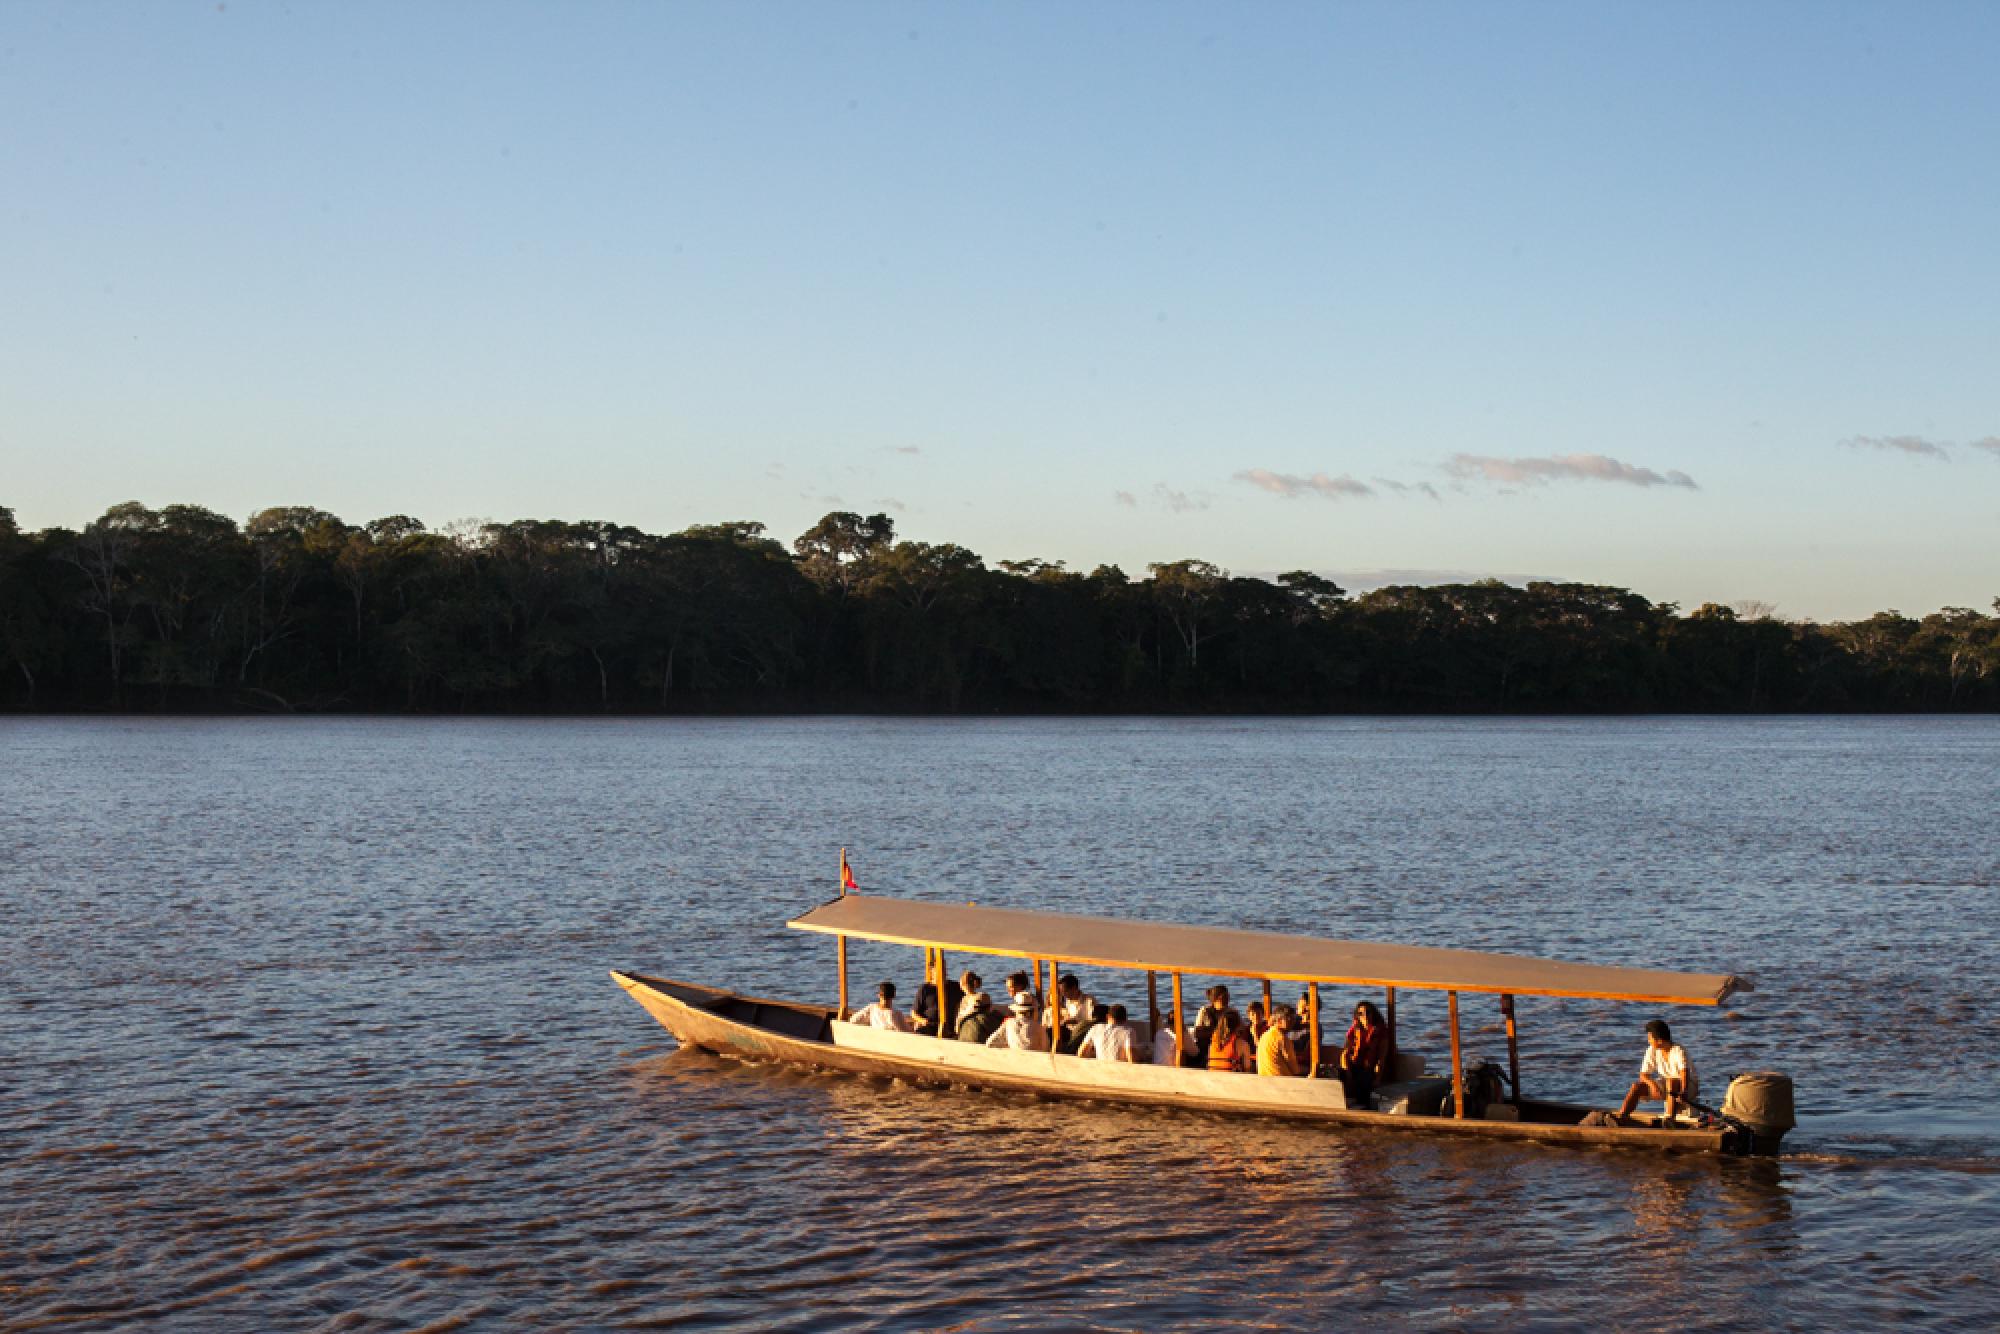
[1166, 497]
[1291, 486]
[1991, 444]
[902, 449]
[1562, 467]
[1180, 502]
[1408, 488]
[1900, 444]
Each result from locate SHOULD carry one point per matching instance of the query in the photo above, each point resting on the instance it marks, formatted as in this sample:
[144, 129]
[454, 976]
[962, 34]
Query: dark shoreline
[889, 711]
[181, 611]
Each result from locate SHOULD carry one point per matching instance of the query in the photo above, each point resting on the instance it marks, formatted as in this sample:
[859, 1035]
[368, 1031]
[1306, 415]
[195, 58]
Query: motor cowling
[1762, 1101]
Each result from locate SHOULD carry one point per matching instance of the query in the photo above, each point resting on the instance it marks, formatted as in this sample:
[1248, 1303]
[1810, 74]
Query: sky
[1701, 300]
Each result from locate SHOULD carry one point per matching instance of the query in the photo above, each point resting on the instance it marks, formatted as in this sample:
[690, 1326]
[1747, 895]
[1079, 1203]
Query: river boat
[816, 1035]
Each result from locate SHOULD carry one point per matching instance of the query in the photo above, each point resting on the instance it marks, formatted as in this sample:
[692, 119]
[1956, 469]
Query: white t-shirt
[879, 1015]
[969, 1005]
[1019, 1034]
[1078, 1009]
[1669, 1064]
[1113, 1041]
[1163, 1046]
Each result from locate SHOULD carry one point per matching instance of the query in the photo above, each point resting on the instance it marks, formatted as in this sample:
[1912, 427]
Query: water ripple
[307, 1025]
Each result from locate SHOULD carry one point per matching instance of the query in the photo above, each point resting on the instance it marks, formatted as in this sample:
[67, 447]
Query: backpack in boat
[1485, 1084]
[979, 1025]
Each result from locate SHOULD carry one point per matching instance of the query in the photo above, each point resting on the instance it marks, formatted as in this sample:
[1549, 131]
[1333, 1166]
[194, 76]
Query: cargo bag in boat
[1413, 1097]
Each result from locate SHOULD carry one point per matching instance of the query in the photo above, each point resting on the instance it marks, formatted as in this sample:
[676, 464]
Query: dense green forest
[182, 609]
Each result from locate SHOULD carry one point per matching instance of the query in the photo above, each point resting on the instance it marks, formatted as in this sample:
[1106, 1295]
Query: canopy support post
[943, 1018]
[1457, 1064]
[1389, 1061]
[1055, 1008]
[1312, 1020]
[1152, 1006]
[1513, 1049]
[1180, 1026]
[840, 943]
[1267, 1000]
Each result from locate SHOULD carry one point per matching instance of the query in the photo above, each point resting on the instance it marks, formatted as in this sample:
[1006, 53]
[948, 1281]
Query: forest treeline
[183, 609]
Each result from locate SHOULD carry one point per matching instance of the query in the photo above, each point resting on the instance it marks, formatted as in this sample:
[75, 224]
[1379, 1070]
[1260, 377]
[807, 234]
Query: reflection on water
[307, 1024]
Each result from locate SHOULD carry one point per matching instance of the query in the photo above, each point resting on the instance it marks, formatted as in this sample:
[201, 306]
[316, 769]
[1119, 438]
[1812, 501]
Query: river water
[307, 1023]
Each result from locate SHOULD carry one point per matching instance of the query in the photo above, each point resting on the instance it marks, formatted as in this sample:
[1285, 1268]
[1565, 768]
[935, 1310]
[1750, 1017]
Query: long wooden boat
[802, 1033]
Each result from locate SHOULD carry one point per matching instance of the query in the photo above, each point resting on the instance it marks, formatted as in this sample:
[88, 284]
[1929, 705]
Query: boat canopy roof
[1108, 942]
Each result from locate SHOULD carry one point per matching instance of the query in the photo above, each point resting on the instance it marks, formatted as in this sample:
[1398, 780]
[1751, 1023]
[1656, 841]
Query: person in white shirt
[1665, 1074]
[1111, 1040]
[1017, 987]
[1078, 1013]
[1100, 1018]
[883, 1013]
[1023, 1031]
[1164, 1050]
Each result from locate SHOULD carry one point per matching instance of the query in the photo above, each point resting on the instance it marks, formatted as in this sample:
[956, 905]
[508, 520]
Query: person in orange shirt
[1229, 1049]
[1275, 1055]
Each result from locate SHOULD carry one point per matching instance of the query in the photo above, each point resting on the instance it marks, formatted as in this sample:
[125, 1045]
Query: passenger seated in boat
[1100, 1015]
[1365, 1054]
[1165, 1052]
[1023, 1030]
[1666, 1074]
[1229, 1047]
[1206, 1021]
[883, 1013]
[1257, 1020]
[924, 1014]
[970, 988]
[1274, 1049]
[978, 1019]
[1301, 1035]
[1018, 986]
[1077, 1013]
[1112, 1040]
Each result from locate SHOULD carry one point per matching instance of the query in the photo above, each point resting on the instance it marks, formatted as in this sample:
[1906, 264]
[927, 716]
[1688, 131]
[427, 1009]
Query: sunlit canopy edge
[1106, 942]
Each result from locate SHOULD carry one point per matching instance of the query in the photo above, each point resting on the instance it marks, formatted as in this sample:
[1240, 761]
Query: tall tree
[102, 553]
[835, 551]
[1186, 593]
[27, 630]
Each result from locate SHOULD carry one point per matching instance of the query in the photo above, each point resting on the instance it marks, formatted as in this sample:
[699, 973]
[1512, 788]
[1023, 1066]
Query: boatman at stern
[1665, 1074]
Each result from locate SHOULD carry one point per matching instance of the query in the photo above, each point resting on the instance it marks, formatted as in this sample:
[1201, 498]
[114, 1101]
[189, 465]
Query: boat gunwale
[772, 1044]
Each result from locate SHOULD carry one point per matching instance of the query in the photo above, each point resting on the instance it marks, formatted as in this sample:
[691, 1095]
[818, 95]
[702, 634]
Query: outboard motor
[1761, 1102]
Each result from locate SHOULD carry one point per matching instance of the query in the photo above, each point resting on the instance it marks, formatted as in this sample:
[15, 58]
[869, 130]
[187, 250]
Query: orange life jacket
[1226, 1053]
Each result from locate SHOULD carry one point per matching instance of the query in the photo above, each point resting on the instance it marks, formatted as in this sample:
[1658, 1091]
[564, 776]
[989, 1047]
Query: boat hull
[760, 1029]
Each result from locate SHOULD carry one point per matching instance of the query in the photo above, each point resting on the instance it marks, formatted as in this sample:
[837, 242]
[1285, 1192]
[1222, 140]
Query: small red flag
[846, 876]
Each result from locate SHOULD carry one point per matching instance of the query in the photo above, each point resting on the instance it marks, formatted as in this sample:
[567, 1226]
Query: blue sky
[1699, 300]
